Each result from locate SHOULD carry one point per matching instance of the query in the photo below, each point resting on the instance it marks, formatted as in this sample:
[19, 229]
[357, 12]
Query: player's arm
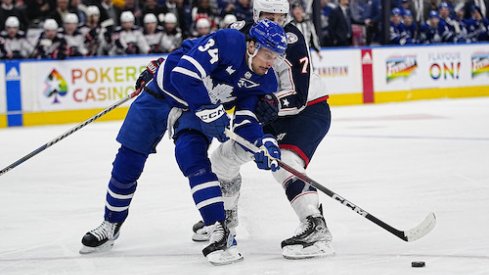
[294, 74]
[247, 126]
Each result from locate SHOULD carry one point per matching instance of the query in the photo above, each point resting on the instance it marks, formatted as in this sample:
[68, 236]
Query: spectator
[418, 7]
[130, 5]
[152, 33]
[128, 39]
[93, 31]
[151, 6]
[61, 10]
[13, 44]
[108, 14]
[477, 26]
[172, 35]
[75, 41]
[410, 27]
[183, 12]
[326, 9]
[398, 35]
[204, 10]
[51, 44]
[306, 27]
[80, 10]
[227, 20]
[340, 25]
[243, 10]
[483, 5]
[38, 10]
[202, 27]
[433, 31]
[430, 5]
[7, 9]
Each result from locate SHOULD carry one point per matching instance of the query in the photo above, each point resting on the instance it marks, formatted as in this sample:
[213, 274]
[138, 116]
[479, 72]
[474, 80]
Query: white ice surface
[397, 161]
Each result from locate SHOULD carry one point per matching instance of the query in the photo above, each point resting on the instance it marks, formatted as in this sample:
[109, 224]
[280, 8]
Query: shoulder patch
[238, 25]
[291, 38]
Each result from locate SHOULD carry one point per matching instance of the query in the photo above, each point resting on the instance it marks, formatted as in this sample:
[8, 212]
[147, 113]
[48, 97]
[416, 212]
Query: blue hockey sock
[191, 154]
[127, 168]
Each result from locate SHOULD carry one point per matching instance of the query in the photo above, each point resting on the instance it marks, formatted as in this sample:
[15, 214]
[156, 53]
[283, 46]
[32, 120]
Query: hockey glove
[266, 109]
[266, 158]
[149, 72]
[214, 120]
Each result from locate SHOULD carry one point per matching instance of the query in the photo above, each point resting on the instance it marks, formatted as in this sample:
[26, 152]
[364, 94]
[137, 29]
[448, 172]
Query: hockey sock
[191, 154]
[126, 170]
[303, 198]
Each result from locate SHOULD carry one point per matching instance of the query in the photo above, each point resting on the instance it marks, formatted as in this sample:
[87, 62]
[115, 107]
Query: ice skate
[202, 232]
[222, 249]
[101, 238]
[312, 240]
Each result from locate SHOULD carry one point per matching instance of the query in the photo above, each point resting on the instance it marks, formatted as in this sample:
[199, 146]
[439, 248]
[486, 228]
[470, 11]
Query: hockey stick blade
[422, 229]
[411, 235]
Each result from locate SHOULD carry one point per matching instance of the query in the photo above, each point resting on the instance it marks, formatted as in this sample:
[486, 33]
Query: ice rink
[397, 161]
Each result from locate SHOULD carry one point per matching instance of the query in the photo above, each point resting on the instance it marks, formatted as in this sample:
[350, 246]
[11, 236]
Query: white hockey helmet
[229, 19]
[93, 10]
[12, 22]
[203, 23]
[170, 18]
[50, 24]
[150, 18]
[70, 18]
[127, 16]
[271, 6]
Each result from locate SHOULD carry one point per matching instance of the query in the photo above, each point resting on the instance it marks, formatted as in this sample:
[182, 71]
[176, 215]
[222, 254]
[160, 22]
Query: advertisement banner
[78, 84]
[416, 67]
[3, 92]
[341, 70]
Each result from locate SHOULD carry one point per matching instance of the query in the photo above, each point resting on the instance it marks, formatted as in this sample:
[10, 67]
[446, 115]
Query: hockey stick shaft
[71, 131]
[419, 231]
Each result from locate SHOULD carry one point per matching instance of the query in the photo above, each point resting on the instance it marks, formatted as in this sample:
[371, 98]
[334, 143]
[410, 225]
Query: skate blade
[318, 249]
[224, 257]
[90, 250]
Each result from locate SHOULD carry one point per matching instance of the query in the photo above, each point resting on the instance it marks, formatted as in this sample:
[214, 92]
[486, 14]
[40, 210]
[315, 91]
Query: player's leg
[299, 137]
[141, 131]
[191, 148]
[226, 162]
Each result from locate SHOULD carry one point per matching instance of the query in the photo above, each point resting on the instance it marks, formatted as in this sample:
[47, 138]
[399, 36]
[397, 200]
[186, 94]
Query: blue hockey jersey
[213, 69]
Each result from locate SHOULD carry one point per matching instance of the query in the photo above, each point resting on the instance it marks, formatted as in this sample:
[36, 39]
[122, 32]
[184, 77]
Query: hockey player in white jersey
[13, 43]
[75, 40]
[172, 35]
[187, 93]
[303, 121]
[152, 33]
[128, 38]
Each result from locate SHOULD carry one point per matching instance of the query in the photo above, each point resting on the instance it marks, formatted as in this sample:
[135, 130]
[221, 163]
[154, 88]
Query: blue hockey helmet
[270, 35]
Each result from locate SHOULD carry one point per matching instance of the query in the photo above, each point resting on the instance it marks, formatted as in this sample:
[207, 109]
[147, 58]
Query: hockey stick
[71, 131]
[410, 235]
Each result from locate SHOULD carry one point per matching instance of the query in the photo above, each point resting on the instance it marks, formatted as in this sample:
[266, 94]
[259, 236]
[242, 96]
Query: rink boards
[51, 92]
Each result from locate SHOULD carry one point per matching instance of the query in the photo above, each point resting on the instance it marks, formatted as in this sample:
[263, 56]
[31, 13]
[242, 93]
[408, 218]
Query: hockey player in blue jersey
[188, 94]
[303, 121]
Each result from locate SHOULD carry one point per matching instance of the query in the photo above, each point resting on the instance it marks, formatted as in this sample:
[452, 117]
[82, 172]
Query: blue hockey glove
[266, 109]
[148, 73]
[213, 120]
[268, 155]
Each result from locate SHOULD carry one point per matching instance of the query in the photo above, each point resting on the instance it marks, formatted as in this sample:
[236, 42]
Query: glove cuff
[210, 113]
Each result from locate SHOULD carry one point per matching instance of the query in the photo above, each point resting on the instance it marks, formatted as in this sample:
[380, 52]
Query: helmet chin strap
[250, 58]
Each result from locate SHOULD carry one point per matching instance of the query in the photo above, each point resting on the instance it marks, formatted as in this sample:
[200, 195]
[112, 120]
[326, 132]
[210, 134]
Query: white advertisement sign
[3, 92]
[410, 68]
[340, 70]
[78, 84]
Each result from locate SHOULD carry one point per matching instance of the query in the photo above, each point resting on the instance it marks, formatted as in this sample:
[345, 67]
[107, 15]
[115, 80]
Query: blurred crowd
[63, 28]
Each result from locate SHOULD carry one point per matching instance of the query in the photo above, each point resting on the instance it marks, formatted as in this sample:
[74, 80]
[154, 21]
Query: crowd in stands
[63, 28]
